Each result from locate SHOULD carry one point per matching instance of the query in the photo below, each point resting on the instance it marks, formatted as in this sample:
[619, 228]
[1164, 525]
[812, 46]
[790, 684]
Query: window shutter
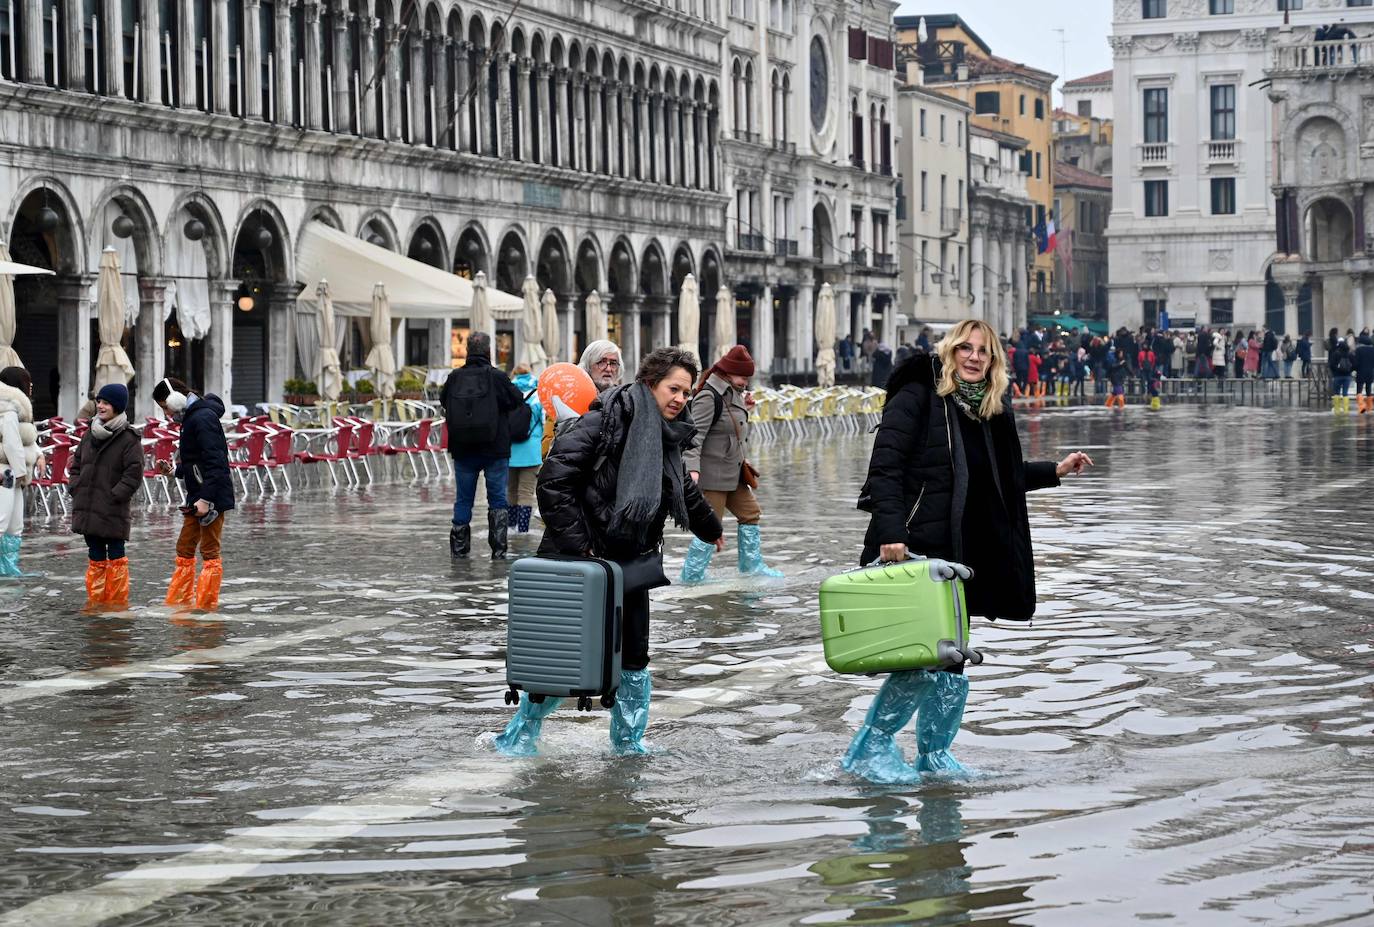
[858, 44]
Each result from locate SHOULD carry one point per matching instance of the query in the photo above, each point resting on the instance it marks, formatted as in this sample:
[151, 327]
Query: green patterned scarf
[969, 397]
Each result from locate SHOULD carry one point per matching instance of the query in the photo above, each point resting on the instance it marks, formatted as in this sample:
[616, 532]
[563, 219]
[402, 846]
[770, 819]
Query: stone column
[543, 104]
[462, 104]
[598, 135]
[1360, 236]
[642, 141]
[392, 87]
[186, 42]
[632, 346]
[151, 51]
[32, 43]
[112, 38]
[281, 353]
[285, 74]
[74, 300]
[626, 122]
[252, 59]
[764, 347]
[1020, 283]
[567, 325]
[1318, 316]
[503, 107]
[701, 130]
[803, 328]
[977, 280]
[1291, 289]
[150, 354]
[658, 129]
[368, 78]
[525, 150]
[419, 96]
[564, 142]
[672, 126]
[343, 78]
[219, 341]
[1356, 305]
[1008, 301]
[73, 11]
[578, 137]
[689, 143]
[663, 321]
[312, 95]
[445, 122]
[219, 54]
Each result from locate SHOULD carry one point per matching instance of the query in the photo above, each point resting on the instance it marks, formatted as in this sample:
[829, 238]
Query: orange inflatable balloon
[569, 383]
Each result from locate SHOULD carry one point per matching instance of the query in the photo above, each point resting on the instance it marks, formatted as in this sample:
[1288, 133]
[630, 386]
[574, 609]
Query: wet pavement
[1185, 733]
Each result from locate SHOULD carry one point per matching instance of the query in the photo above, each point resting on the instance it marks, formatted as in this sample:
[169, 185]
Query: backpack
[1344, 364]
[522, 419]
[474, 413]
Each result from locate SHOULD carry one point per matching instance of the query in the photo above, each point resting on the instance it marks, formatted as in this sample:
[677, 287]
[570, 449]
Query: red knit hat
[736, 362]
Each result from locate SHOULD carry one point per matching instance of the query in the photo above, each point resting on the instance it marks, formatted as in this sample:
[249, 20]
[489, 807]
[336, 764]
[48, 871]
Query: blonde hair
[996, 378]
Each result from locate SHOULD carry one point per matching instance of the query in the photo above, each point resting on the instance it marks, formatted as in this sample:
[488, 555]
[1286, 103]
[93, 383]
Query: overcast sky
[1025, 31]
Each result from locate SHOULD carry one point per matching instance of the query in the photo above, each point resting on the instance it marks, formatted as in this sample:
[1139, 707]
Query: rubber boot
[207, 586]
[873, 754]
[460, 541]
[1111, 400]
[1335, 405]
[1345, 402]
[498, 527]
[182, 588]
[9, 555]
[521, 736]
[630, 713]
[117, 584]
[522, 518]
[698, 559]
[97, 578]
[1154, 403]
[941, 712]
[751, 553]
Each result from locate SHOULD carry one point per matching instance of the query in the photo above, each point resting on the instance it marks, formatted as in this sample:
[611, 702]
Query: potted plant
[300, 392]
[410, 388]
[364, 391]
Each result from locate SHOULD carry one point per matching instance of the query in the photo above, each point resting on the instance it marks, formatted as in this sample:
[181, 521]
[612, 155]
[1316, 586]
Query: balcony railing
[1222, 152]
[950, 219]
[744, 135]
[747, 242]
[1154, 154]
[859, 257]
[785, 247]
[1325, 57]
[788, 147]
[884, 262]
[857, 162]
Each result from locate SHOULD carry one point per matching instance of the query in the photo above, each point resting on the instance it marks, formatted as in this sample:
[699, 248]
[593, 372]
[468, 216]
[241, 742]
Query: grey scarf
[653, 450]
[104, 431]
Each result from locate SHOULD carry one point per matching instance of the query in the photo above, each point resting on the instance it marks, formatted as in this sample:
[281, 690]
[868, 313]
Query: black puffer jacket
[203, 456]
[577, 485]
[918, 486]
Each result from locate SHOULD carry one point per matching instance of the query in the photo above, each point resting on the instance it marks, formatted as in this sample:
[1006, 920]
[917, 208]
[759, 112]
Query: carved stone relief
[1220, 259]
[1154, 262]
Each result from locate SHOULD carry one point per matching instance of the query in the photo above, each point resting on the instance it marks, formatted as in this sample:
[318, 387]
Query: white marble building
[809, 146]
[1192, 225]
[569, 140]
[1001, 251]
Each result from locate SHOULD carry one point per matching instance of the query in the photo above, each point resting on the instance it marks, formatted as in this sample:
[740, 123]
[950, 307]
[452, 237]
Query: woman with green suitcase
[947, 481]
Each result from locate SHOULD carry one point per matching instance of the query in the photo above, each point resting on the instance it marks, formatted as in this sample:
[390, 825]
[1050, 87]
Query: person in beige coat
[20, 462]
[720, 411]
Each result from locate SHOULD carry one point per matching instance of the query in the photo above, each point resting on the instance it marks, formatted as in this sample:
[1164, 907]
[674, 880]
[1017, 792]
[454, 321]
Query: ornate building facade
[571, 141]
[808, 149]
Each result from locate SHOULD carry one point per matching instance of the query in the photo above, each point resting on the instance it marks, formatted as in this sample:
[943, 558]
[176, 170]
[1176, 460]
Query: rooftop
[935, 21]
[993, 66]
[1069, 175]
[1092, 80]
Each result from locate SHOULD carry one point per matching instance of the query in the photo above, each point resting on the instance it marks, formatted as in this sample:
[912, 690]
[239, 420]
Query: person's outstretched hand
[1075, 463]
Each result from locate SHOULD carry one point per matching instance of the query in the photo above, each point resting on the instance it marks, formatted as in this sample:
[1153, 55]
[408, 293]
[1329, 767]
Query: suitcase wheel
[512, 696]
[972, 656]
[608, 700]
[584, 703]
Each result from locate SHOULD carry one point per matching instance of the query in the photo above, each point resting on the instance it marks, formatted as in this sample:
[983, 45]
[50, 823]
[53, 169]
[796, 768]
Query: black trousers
[634, 631]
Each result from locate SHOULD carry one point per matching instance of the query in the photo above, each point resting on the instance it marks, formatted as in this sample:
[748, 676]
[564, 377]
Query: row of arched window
[745, 120]
[348, 66]
[875, 141]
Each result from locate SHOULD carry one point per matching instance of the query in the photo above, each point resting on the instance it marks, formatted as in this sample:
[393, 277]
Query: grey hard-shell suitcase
[563, 629]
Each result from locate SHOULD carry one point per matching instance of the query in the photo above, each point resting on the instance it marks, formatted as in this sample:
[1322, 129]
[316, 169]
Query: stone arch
[425, 242]
[146, 240]
[683, 263]
[278, 256]
[587, 268]
[553, 266]
[472, 251]
[1328, 230]
[1303, 131]
[823, 247]
[653, 270]
[622, 276]
[556, 51]
[376, 228]
[512, 260]
[72, 238]
[215, 235]
[323, 213]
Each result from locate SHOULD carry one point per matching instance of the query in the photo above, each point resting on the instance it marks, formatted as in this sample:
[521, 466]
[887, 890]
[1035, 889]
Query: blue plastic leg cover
[630, 714]
[521, 736]
[698, 559]
[940, 715]
[9, 554]
[873, 753]
[751, 553]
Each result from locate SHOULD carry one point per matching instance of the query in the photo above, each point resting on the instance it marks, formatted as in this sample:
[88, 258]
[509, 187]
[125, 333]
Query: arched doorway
[195, 259]
[259, 266]
[1329, 232]
[45, 233]
[1274, 308]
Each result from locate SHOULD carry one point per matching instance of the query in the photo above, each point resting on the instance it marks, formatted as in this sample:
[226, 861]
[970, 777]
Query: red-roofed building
[1090, 95]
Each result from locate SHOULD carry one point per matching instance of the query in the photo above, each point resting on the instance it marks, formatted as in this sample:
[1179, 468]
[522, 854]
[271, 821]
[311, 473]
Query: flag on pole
[1045, 237]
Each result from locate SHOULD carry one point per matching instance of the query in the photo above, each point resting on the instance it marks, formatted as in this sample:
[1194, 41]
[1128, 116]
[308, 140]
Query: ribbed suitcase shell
[891, 617]
[563, 626]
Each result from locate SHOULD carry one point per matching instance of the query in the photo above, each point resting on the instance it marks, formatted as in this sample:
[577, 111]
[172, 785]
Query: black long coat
[577, 486]
[918, 487]
[203, 454]
[103, 479]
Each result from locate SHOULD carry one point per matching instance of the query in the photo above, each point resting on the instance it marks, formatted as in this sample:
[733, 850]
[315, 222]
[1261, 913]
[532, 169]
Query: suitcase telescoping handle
[941, 571]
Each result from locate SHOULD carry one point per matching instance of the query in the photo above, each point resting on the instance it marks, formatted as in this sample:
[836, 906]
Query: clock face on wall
[820, 84]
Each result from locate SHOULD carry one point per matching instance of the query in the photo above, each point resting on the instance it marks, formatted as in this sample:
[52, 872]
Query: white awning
[416, 290]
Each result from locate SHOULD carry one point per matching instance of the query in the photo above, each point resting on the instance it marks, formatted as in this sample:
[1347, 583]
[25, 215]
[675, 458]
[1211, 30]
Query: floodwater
[1186, 732]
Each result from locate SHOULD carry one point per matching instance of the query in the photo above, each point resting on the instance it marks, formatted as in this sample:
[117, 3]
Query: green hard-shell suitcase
[895, 616]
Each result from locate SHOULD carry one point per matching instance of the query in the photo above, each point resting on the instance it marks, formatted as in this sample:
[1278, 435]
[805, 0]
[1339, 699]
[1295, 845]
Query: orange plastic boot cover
[207, 587]
[117, 583]
[181, 589]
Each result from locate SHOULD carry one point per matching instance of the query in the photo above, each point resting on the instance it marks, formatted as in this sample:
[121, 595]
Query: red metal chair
[280, 455]
[59, 454]
[342, 436]
[163, 448]
[363, 447]
[416, 450]
[251, 449]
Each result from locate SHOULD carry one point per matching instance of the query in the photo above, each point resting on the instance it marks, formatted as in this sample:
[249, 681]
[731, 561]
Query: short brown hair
[654, 368]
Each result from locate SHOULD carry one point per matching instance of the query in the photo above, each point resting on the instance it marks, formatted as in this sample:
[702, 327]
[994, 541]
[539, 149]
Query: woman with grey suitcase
[606, 489]
[946, 480]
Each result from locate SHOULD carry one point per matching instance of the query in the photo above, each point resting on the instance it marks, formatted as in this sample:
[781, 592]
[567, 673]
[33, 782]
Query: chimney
[915, 74]
[962, 71]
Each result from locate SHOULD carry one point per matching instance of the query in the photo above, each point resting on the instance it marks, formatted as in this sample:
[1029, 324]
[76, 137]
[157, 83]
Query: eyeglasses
[967, 349]
[608, 362]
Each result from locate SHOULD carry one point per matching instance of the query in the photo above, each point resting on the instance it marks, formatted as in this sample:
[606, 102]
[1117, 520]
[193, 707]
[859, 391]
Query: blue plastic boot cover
[941, 712]
[9, 554]
[873, 754]
[751, 553]
[521, 736]
[698, 559]
[630, 714]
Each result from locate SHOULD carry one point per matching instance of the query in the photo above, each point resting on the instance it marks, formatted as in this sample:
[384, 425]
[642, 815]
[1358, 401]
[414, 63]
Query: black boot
[460, 541]
[498, 522]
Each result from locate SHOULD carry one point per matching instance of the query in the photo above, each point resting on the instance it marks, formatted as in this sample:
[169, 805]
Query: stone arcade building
[568, 139]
